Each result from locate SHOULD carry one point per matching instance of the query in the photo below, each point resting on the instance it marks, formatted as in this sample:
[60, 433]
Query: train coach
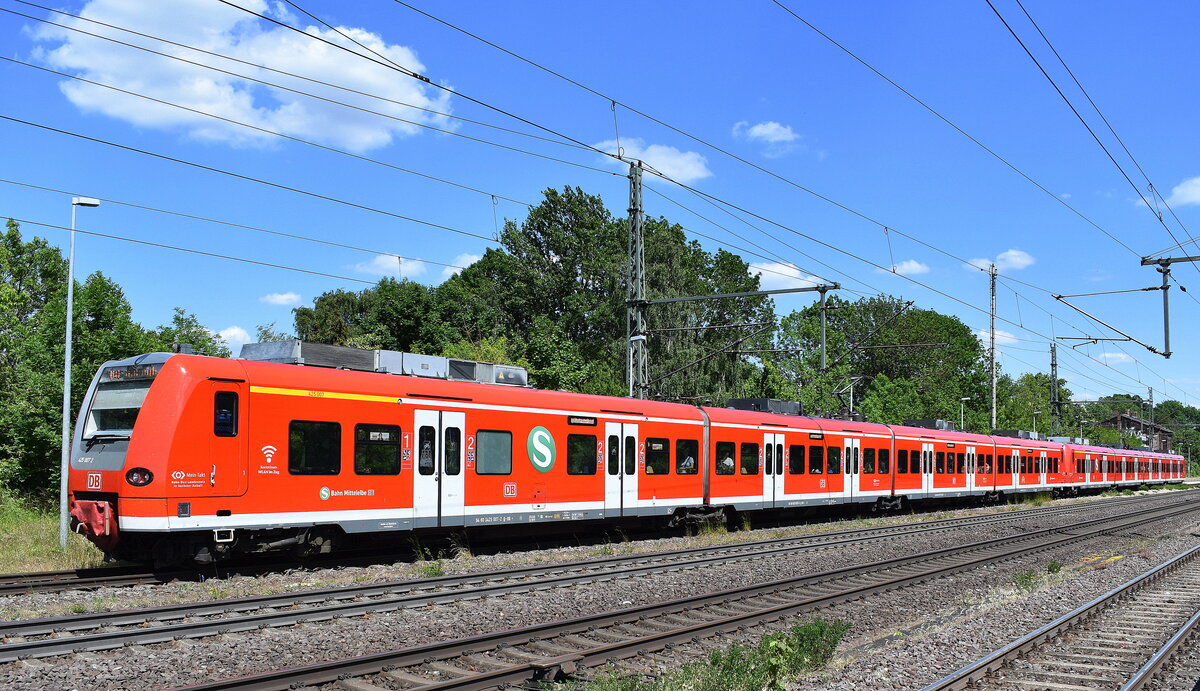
[180, 457]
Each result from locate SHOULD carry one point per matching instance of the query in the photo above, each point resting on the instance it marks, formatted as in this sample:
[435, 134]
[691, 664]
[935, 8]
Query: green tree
[185, 327]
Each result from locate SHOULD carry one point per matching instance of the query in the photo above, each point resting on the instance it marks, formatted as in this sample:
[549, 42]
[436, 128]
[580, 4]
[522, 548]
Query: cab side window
[225, 413]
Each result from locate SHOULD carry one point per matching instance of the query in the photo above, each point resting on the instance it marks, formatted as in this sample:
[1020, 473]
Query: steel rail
[119, 576]
[1146, 673]
[642, 634]
[752, 548]
[976, 671]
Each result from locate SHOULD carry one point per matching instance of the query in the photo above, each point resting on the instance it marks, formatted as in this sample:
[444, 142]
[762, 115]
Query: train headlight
[139, 477]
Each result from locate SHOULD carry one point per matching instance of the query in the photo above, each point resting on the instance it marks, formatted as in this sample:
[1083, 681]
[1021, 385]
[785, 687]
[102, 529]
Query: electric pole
[992, 345]
[1054, 402]
[636, 318]
[822, 290]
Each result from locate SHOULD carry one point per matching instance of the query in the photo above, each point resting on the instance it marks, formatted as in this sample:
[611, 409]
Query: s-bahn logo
[324, 493]
[541, 449]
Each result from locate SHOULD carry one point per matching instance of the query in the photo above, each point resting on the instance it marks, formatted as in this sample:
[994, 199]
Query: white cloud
[235, 337]
[389, 265]
[284, 299]
[780, 139]
[1002, 337]
[777, 276]
[908, 267]
[1186, 192]
[231, 32]
[1008, 260]
[463, 261]
[680, 166]
[1114, 358]
[1065, 195]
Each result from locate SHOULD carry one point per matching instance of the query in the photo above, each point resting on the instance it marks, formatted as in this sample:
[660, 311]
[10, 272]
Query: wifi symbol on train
[268, 452]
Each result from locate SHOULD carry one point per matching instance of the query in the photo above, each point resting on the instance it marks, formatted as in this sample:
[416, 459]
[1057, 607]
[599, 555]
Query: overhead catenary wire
[189, 250]
[231, 224]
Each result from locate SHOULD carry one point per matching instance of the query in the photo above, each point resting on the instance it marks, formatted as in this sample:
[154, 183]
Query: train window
[868, 461]
[749, 459]
[725, 458]
[902, 461]
[314, 448]
[687, 453]
[941, 461]
[816, 460]
[376, 449]
[779, 459]
[614, 455]
[987, 463]
[769, 461]
[885, 461]
[494, 452]
[796, 460]
[962, 463]
[631, 458]
[658, 456]
[581, 454]
[834, 460]
[225, 413]
[855, 454]
[426, 449]
[453, 450]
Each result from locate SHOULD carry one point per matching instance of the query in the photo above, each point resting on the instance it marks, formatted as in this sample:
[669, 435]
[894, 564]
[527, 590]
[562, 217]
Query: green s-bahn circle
[541, 449]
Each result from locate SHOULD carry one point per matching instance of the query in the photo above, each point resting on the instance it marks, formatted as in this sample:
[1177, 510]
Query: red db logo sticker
[93, 480]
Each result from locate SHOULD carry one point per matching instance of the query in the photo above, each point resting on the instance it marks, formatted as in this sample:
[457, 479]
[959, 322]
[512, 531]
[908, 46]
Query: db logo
[178, 475]
[510, 489]
[93, 480]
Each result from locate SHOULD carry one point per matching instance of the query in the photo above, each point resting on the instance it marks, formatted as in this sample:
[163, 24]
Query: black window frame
[661, 457]
[481, 455]
[580, 462]
[685, 449]
[752, 447]
[721, 468]
[225, 426]
[336, 443]
[796, 461]
[362, 463]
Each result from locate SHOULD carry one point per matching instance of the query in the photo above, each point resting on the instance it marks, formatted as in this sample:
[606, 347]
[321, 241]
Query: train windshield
[115, 408]
[118, 398]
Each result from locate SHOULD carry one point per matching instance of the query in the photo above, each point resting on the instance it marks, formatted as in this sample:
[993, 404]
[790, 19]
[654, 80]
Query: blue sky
[746, 77]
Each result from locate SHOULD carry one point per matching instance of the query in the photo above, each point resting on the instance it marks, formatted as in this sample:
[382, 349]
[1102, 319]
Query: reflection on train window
[581, 454]
[453, 451]
[749, 459]
[769, 459]
[834, 458]
[426, 439]
[779, 459]
[885, 461]
[658, 456]
[796, 460]
[868, 461]
[941, 462]
[631, 458]
[614, 454]
[962, 463]
[376, 449]
[314, 448]
[901, 461]
[225, 414]
[687, 455]
[816, 460]
[494, 455]
[724, 456]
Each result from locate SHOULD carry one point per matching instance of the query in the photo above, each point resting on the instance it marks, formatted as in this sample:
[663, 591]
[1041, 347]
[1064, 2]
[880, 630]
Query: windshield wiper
[97, 438]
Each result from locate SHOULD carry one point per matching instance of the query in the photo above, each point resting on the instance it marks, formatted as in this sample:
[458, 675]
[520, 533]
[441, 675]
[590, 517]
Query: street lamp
[1035, 414]
[66, 407]
[962, 403]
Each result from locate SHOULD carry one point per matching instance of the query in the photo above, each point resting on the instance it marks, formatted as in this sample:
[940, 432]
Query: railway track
[555, 650]
[120, 576]
[105, 630]
[1117, 641]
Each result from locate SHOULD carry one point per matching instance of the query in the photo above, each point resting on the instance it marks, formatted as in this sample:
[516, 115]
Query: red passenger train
[180, 457]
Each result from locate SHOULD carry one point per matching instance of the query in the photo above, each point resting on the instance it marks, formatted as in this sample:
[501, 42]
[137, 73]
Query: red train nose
[97, 521]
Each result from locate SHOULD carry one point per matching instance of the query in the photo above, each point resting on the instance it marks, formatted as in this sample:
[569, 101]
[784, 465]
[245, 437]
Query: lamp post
[1035, 414]
[66, 406]
[962, 406]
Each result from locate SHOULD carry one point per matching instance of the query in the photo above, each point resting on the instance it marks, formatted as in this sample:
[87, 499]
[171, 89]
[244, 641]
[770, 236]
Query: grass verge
[29, 540]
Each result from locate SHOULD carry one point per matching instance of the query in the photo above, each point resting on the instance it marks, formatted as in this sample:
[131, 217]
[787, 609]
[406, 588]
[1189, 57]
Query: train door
[773, 464]
[438, 483]
[927, 467]
[970, 468]
[1043, 462]
[850, 466]
[227, 472]
[621, 468]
